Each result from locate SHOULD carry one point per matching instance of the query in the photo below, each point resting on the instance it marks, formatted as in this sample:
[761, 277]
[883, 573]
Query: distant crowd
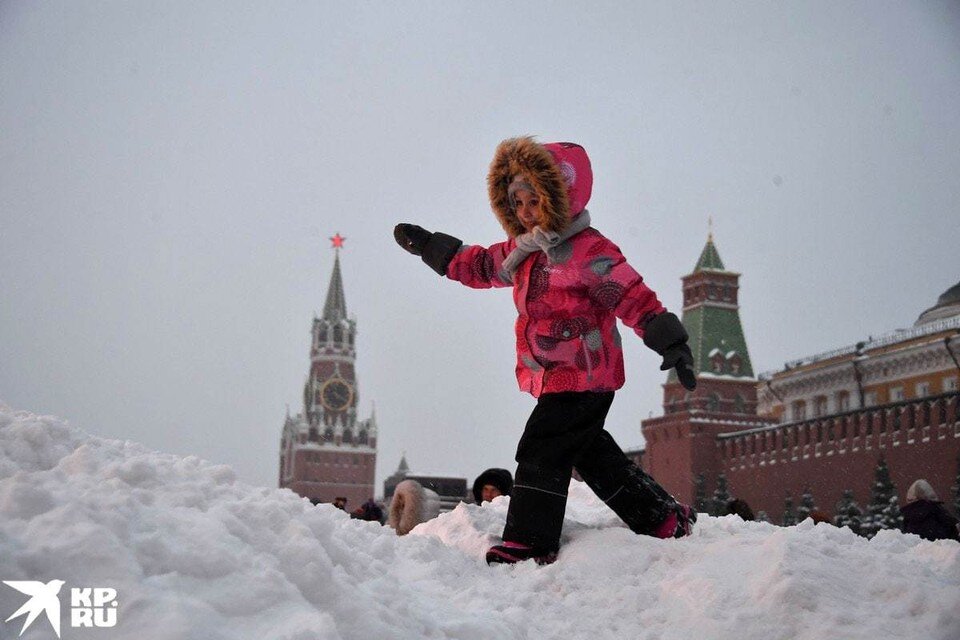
[923, 514]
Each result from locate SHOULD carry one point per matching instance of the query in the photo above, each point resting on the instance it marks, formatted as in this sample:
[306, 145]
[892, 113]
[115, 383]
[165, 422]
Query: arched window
[716, 362]
[328, 434]
[362, 437]
[735, 364]
[739, 404]
[338, 334]
[799, 410]
[347, 435]
[713, 402]
[843, 401]
[820, 406]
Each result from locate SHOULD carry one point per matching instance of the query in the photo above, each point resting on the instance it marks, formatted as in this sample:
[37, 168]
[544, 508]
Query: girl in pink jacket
[570, 284]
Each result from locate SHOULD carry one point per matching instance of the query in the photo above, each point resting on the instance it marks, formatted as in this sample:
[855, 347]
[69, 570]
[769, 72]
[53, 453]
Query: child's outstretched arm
[614, 284]
[475, 266]
[435, 249]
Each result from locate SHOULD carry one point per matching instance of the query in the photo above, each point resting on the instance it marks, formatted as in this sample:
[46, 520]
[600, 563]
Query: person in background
[819, 516]
[739, 507]
[411, 504]
[491, 484]
[925, 515]
[340, 503]
[570, 285]
[369, 511]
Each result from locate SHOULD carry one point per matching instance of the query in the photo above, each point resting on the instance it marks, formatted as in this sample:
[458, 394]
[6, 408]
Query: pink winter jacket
[566, 329]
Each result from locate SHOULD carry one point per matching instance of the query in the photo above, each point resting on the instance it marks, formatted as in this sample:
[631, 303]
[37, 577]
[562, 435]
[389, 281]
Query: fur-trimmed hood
[559, 172]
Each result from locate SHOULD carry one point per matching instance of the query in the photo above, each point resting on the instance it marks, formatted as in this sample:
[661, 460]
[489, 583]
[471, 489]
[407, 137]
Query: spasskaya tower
[326, 452]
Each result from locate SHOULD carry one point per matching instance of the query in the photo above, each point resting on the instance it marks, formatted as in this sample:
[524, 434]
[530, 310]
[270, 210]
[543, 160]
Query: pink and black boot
[678, 523]
[513, 552]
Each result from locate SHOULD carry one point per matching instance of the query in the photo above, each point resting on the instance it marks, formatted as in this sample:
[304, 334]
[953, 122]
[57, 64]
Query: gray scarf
[540, 240]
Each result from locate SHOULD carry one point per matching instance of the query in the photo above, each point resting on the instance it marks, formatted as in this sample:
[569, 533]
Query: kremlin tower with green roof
[711, 314]
[681, 444]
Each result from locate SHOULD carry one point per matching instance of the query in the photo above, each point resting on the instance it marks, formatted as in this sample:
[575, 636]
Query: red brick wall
[324, 475]
[926, 446]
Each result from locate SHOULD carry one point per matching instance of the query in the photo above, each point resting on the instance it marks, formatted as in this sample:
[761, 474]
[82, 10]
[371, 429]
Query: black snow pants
[565, 431]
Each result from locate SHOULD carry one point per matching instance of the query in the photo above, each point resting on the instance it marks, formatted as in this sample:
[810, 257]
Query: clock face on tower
[336, 394]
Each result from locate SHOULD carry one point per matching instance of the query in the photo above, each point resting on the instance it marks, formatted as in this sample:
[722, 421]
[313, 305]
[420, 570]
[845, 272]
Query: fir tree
[700, 503]
[789, 516]
[849, 513]
[720, 497]
[883, 512]
[806, 505]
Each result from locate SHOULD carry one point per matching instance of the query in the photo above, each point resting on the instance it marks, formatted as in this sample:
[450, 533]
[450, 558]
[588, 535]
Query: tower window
[735, 364]
[739, 404]
[716, 362]
[713, 402]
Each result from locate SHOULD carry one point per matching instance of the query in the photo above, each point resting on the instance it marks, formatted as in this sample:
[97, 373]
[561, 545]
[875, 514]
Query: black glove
[680, 357]
[435, 249]
[665, 335]
[411, 237]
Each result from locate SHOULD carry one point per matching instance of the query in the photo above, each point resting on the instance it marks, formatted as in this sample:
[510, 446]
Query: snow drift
[193, 553]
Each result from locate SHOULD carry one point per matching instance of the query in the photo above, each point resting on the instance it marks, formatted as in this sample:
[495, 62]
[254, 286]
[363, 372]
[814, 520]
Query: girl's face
[528, 208]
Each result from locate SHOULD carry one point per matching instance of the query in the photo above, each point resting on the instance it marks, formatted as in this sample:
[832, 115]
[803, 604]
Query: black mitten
[665, 335]
[435, 249]
[411, 237]
[680, 357]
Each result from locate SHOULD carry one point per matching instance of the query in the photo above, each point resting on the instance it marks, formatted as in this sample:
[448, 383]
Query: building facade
[327, 451]
[821, 423]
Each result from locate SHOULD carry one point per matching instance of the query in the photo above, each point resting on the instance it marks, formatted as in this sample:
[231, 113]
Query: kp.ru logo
[89, 606]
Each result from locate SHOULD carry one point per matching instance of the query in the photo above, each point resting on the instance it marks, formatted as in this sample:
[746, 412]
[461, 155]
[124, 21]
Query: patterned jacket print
[566, 329]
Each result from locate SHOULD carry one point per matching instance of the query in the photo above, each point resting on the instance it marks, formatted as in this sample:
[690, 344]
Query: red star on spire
[337, 241]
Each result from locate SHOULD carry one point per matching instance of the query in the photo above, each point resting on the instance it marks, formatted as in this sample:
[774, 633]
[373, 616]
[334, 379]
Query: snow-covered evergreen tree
[789, 516]
[849, 513]
[762, 516]
[806, 505]
[720, 497]
[883, 512]
[700, 502]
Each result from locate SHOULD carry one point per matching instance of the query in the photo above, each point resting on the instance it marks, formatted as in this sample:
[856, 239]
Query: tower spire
[336, 305]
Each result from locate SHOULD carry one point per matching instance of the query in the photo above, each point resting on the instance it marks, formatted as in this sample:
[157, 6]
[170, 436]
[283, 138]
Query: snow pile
[195, 554]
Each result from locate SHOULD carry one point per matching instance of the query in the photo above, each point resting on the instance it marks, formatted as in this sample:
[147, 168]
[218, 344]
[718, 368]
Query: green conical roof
[716, 330]
[709, 258]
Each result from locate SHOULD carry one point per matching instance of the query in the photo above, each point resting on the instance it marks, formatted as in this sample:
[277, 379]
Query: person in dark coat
[369, 511]
[739, 507]
[924, 514]
[492, 483]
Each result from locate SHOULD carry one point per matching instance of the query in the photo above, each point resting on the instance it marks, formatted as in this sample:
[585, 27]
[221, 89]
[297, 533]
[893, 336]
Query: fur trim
[412, 504]
[523, 156]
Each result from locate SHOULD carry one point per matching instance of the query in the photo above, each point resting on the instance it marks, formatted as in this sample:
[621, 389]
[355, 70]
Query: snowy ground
[193, 553]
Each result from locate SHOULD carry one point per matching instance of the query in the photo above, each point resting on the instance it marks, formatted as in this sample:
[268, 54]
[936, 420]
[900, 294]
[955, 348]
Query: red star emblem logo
[337, 241]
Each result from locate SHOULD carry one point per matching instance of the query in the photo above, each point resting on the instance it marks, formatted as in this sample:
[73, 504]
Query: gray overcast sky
[170, 173]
